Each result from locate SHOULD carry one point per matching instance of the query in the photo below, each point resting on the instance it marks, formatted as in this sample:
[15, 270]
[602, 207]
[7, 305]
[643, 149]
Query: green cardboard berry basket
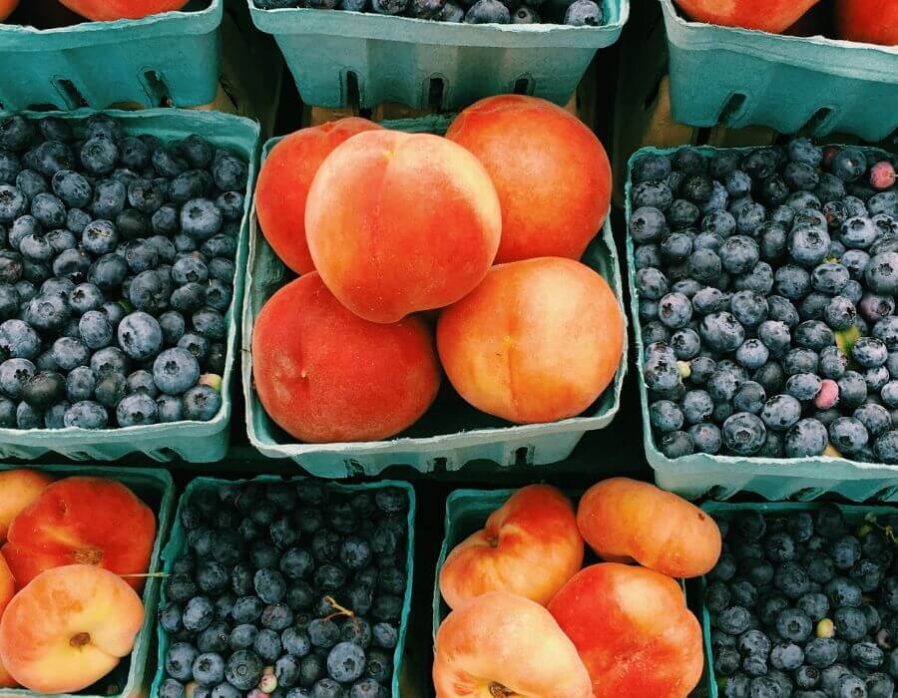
[169, 58]
[737, 77]
[853, 515]
[155, 488]
[451, 433]
[424, 63]
[178, 540]
[721, 477]
[198, 442]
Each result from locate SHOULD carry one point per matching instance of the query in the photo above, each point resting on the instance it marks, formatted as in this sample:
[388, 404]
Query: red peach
[537, 341]
[69, 628]
[399, 222]
[632, 630]
[530, 546]
[868, 21]
[324, 374]
[107, 10]
[624, 520]
[551, 172]
[18, 488]
[82, 520]
[765, 15]
[284, 183]
[501, 645]
[7, 7]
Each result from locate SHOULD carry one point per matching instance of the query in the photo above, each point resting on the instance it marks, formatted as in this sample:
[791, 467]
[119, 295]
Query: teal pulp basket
[721, 477]
[155, 488]
[736, 77]
[424, 63]
[451, 433]
[853, 515]
[178, 541]
[169, 58]
[198, 442]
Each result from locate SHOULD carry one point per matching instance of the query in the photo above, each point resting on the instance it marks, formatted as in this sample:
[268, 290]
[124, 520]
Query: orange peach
[537, 341]
[399, 222]
[632, 630]
[18, 488]
[551, 172]
[7, 591]
[284, 183]
[624, 520]
[107, 10]
[765, 15]
[868, 21]
[69, 628]
[82, 520]
[530, 546]
[7, 7]
[324, 374]
[502, 645]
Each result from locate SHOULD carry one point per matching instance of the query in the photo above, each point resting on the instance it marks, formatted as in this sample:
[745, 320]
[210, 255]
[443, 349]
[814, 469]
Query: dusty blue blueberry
[808, 437]
[139, 335]
[744, 433]
[201, 403]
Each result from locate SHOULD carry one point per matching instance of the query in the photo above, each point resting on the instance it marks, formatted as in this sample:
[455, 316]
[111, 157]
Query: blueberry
[666, 416]
[201, 403]
[110, 197]
[794, 625]
[848, 435]
[149, 291]
[803, 386]
[139, 335]
[179, 661]
[244, 669]
[808, 437]
[43, 389]
[323, 633]
[188, 298]
[821, 652]
[721, 332]
[208, 669]
[86, 415]
[815, 605]
[175, 371]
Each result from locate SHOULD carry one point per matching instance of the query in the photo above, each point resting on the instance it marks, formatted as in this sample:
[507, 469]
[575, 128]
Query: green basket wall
[198, 442]
[737, 77]
[166, 58]
[177, 542]
[444, 439]
[406, 60]
[853, 514]
[156, 489]
[721, 477]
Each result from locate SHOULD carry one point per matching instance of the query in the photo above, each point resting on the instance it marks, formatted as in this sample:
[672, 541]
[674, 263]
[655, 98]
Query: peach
[324, 374]
[632, 630]
[82, 520]
[399, 222]
[284, 183]
[765, 15]
[7, 591]
[530, 546]
[624, 520]
[107, 10]
[551, 172]
[502, 645]
[7, 7]
[69, 628]
[18, 488]
[868, 21]
[537, 341]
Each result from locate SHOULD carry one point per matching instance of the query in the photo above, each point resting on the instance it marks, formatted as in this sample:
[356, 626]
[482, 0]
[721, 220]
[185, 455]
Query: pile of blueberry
[288, 591]
[767, 283]
[116, 271]
[803, 604]
[579, 13]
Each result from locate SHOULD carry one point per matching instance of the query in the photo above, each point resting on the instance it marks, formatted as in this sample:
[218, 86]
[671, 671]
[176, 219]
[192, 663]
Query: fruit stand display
[369, 314]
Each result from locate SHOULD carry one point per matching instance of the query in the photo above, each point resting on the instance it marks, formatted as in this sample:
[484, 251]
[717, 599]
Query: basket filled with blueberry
[121, 240]
[803, 602]
[293, 588]
[763, 285]
[433, 53]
